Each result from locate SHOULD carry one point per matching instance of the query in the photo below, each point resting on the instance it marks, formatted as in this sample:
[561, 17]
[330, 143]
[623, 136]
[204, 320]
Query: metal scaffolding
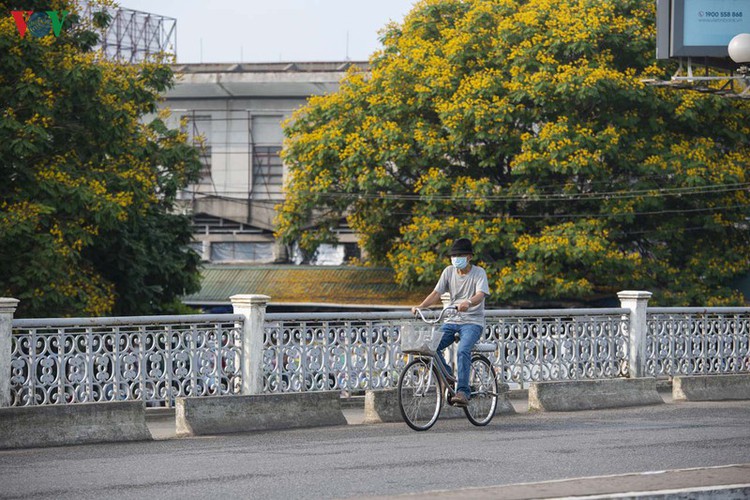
[134, 36]
[713, 77]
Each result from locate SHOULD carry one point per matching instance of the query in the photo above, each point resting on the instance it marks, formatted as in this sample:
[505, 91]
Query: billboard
[699, 28]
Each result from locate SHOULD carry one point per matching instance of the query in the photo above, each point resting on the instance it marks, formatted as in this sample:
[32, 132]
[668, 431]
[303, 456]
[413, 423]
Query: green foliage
[525, 126]
[87, 225]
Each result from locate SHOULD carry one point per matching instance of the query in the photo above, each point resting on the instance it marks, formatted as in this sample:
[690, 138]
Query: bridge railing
[150, 358]
[158, 358]
[697, 341]
[559, 344]
[359, 351]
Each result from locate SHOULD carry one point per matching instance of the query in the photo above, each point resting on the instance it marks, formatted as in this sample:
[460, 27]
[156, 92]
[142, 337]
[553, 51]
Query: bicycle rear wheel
[419, 394]
[484, 390]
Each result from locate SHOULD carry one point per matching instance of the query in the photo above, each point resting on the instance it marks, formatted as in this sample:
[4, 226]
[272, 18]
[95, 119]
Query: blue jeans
[470, 334]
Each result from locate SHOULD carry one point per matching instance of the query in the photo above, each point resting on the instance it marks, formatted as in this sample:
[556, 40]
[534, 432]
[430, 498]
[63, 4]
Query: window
[266, 136]
[328, 255]
[227, 251]
[198, 129]
[197, 247]
[268, 171]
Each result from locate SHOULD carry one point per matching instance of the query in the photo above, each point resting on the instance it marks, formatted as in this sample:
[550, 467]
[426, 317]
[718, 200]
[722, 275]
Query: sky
[276, 30]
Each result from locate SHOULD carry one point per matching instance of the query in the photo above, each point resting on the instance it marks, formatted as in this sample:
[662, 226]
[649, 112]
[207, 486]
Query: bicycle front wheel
[483, 383]
[419, 394]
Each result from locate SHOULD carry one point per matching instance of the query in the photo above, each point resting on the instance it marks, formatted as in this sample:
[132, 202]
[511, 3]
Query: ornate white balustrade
[321, 351]
[154, 359]
[561, 344]
[158, 358]
[697, 341]
[358, 351]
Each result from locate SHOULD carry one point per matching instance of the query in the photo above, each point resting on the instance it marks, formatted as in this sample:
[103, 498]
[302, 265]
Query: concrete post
[445, 299]
[7, 308]
[253, 308]
[637, 302]
[449, 354]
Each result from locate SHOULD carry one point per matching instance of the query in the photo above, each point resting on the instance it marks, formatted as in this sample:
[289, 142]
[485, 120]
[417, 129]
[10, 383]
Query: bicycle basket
[420, 338]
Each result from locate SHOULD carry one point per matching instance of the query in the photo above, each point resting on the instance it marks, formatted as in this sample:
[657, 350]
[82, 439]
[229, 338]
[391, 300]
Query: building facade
[236, 112]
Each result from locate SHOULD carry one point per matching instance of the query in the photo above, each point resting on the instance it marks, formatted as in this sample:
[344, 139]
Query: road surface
[380, 460]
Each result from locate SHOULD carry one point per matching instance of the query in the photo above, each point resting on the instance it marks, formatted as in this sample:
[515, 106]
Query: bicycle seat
[484, 347]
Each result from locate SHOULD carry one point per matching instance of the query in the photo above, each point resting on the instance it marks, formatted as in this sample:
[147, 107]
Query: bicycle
[424, 384]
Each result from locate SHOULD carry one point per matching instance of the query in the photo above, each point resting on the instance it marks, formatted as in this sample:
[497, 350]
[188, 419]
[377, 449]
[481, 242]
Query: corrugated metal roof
[270, 67]
[305, 284]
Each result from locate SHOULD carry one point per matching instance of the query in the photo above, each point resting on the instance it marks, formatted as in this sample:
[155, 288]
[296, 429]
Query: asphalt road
[390, 459]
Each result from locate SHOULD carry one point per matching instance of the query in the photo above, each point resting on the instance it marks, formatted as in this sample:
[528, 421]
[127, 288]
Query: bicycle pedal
[454, 405]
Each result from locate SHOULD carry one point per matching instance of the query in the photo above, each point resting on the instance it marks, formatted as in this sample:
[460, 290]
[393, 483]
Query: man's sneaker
[460, 400]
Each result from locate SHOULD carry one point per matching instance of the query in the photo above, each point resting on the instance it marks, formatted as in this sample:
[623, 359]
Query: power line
[665, 231]
[557, 197]
[577, 215]
[604, 195]
[535, 216]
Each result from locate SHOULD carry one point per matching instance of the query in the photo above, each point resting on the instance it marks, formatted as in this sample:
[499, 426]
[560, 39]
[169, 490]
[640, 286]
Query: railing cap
[119, 321]
[249, 299]
[634, 294]
[8, 305]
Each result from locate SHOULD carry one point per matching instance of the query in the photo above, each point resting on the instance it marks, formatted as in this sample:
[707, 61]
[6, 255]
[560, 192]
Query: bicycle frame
[447, 381]
[447, 385]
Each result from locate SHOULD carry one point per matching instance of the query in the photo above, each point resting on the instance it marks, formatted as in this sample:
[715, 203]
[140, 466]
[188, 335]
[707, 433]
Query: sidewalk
[728, 482]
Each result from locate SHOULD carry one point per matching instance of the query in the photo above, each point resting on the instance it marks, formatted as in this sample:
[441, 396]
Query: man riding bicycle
[468, 286]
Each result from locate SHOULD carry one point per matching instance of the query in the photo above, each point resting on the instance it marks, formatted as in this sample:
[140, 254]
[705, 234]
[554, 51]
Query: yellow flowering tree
[88, 187]
[525, 126]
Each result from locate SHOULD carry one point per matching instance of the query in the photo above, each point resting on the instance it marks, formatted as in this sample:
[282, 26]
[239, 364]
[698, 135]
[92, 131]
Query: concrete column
[253, 308]
[206, 250]
[637, 302]
[452, 351]
[280, 253]
[445, 299]
[7, 308]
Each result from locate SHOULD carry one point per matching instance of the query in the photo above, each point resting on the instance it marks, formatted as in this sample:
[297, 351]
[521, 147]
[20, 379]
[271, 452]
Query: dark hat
[461, 246]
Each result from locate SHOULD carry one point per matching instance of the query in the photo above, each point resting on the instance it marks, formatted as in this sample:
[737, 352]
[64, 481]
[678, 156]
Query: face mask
[459, 262]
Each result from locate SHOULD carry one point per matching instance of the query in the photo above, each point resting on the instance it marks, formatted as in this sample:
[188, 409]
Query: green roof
[287, 284]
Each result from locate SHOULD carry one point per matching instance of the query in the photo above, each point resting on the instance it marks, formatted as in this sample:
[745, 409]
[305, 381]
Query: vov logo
[39, 24]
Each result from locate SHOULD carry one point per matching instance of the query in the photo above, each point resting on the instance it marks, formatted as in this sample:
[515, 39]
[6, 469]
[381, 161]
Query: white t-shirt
[463, 287]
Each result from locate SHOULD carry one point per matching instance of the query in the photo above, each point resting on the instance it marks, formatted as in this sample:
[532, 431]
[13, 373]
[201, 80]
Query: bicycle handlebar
[448, 312]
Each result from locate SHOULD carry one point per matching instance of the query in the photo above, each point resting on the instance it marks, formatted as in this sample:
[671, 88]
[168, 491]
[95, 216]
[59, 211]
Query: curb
[228, 414]
[711, 387]
[80, 423]
[575, 395]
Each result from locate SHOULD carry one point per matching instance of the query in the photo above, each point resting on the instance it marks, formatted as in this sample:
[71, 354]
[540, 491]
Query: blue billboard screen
[699, 28]
[714, 22]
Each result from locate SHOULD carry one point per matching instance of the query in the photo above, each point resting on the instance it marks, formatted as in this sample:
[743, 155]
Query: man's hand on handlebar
[463, 306]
